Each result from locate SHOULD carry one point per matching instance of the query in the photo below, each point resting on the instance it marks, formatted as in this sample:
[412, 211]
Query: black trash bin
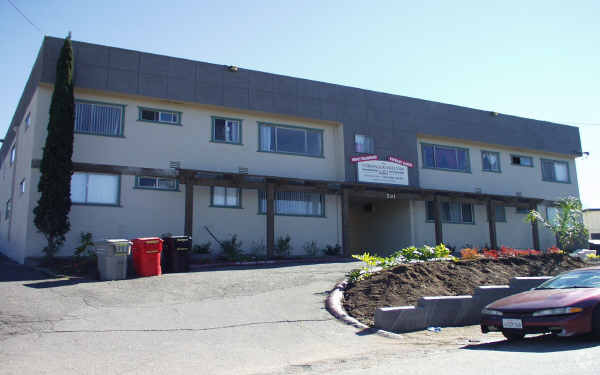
[176, 253]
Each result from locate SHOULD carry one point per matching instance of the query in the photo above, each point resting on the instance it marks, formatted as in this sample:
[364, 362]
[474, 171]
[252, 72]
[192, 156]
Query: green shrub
[232, 249]
[311, 249]
[258, 249]
[203, 248]
[333, 250]
[283, 246]
[85, 248]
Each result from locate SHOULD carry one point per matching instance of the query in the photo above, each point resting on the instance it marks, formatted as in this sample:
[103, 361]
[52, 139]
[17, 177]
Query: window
[595, 236]
[226, 130]
[225, 197]
[552, 214]
[94, 188]
[363, 144]
[99, 118]
[452, 212]
[555, 171]
[28, 120]
[7, 210]
[491, 161]
[525, 161]
[501, 213]
[13, 154]
[155, 183]
[159, 115]
[22, 186]
[290, 140]
[294, 203]
[445, 157]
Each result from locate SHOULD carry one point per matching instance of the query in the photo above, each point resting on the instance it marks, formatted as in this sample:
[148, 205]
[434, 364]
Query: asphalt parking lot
[267, 320]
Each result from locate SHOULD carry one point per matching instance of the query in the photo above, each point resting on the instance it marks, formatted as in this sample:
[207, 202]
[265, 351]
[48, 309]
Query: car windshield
[575, 279]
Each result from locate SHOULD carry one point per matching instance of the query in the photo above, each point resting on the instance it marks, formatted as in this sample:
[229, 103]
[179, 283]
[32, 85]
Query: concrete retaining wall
[449, 311]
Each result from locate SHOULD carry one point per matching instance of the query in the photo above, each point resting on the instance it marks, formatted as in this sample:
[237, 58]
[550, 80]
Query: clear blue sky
[536, 59]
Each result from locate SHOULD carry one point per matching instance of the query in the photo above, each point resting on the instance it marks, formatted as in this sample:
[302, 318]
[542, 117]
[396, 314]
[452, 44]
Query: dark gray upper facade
[394, 121]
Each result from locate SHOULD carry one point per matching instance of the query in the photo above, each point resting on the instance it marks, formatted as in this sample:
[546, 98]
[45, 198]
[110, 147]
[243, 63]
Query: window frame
[447, 221]
[156, 188]
[306, 129]
[262, 192]
[455, 148]
[521, 156]
[178, 113]
[239, 199]
[499, 162]
[372, 143]
[27, 120]
[123, 108]
[500, 206]
[213, 126]
[554, 161]
[117, 204]
[13, 154]
[8, 210]
[22, 187]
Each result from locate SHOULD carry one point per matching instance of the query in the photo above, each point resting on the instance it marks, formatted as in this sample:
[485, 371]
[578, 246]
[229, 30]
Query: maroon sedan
[566, 305]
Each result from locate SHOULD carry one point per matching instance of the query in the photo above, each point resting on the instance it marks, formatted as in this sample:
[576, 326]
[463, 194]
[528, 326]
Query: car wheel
[513, 335]
[596, 322]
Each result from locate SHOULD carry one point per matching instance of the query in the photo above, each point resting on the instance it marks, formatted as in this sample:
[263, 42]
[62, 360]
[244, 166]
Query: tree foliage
[568, 226]
[56, 169]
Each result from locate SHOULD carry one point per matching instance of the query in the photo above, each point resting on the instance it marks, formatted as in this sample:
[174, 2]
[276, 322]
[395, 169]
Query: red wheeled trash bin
[146, 256]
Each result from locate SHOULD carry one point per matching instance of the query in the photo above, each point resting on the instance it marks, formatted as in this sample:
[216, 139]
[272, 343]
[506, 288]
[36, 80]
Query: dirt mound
[403, 285]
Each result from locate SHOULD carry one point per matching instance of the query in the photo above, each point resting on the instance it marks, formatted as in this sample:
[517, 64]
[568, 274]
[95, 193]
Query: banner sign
[356, 159]
[401, 162]
[382, 172]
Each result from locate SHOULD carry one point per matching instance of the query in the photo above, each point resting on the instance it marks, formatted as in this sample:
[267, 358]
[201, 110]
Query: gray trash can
[112, 259]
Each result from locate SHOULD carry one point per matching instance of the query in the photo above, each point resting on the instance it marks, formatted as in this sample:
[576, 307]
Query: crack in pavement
[189, 329]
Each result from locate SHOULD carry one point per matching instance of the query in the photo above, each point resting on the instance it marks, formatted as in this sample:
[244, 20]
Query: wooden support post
[270, 220]
[491, 214]
[534, 229]
[346, 222]
[437, 215]
[189, 206]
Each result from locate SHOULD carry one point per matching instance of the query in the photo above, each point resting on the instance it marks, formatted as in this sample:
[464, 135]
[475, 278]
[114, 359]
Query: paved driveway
[241, 321]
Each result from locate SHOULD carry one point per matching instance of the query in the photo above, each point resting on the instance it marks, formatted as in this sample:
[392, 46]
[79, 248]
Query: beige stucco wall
[14, 231]
[591, 220]
[387, 228]
[512, 180]
[153, 145]
[512, 233]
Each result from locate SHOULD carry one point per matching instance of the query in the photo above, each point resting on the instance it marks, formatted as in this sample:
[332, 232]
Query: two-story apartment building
[168, 145]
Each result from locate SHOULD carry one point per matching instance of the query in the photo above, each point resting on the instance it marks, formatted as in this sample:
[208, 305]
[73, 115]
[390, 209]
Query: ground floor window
[452, 212]
[95, 188]
[294, 203]
[225, 196]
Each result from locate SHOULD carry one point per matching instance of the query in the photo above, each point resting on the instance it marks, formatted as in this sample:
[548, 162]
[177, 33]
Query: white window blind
[98, 119]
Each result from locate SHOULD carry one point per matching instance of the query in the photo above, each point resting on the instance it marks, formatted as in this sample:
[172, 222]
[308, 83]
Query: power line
[24, 16]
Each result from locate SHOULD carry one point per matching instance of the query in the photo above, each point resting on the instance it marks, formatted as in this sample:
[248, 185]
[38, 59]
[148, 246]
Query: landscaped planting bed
[404, 284]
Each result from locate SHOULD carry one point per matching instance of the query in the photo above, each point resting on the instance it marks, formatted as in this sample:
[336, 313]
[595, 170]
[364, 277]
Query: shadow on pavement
[241, 267]
[59, 283]
[538, 344]
[12, 271]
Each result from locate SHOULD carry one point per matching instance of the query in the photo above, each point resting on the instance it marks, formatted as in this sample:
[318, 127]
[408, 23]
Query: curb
[333, 304]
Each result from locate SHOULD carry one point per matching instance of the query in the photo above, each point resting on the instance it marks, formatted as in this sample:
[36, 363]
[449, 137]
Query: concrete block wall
[450, 311]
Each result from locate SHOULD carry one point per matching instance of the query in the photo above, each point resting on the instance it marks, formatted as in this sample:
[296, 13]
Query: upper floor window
[99, 118]
[95, 188]
[13, 154]
[363, 144]
[490, 161]
[159, 115]
[290, 140]
[226, 130]
[445, 157]
[22, 186]
[525, 161]
[155, 183]
[27, 120]
[555, 171]
[225, 197]
[452, 212]
[8, 209]
[294, 203]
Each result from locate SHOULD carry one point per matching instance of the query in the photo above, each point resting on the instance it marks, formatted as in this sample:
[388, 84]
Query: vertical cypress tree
[52, 211]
